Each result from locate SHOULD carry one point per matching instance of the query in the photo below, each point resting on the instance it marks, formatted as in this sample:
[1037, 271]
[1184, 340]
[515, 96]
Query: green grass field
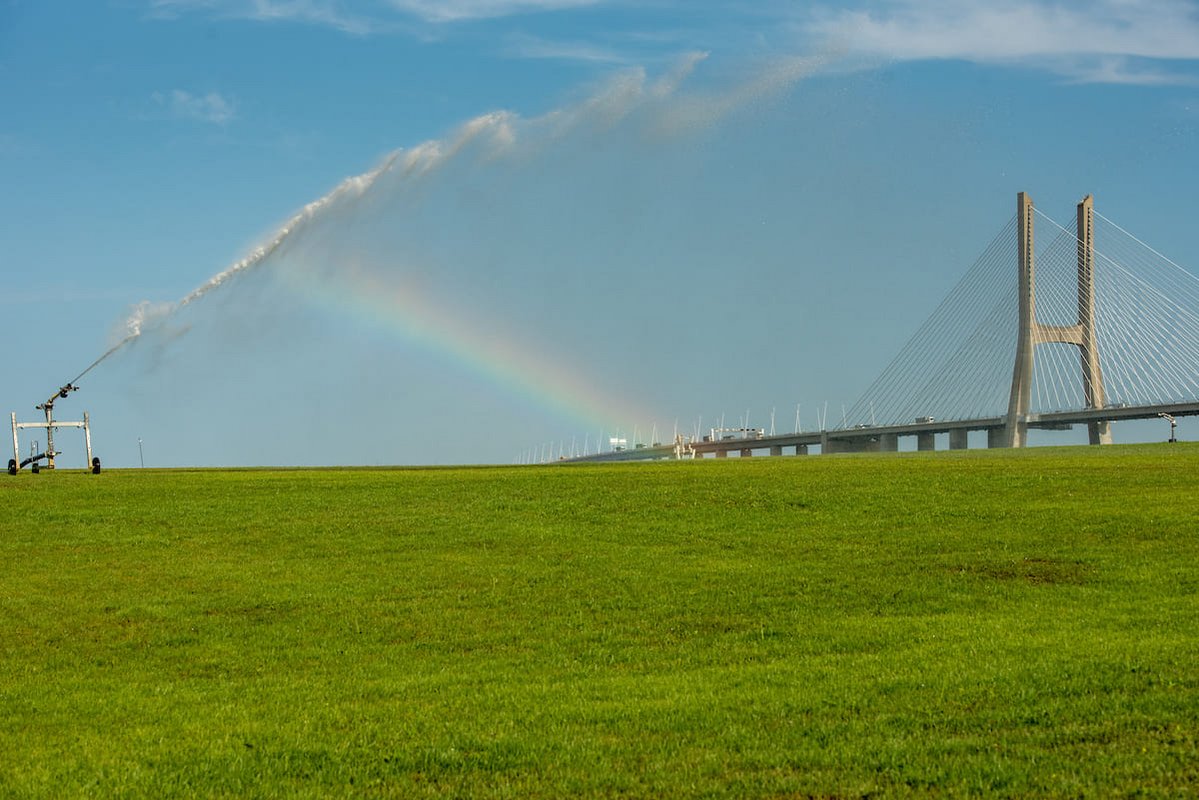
[1004, 623]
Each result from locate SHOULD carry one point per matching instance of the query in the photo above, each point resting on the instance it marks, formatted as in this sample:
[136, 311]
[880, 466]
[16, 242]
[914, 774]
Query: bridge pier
[829, 445]
[996, 437]
[1031, 332]
[776, 449]
[722, 453]
[855, 445]
[888, 442]
[746, 452]
[926, 441]
[801, 449]
[959, 439]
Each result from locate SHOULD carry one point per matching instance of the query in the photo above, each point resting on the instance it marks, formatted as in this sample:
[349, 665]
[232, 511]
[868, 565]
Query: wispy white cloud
[211, 107]
[1120, 70]
[366, 17]
[316, 12]
[435, 19]
[526, 46]
[456, 10]
[1103, 41]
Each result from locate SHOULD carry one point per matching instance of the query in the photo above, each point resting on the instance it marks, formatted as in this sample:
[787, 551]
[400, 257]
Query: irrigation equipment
[35, 459]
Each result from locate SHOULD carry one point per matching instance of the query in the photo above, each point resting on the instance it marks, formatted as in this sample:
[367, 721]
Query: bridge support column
[1020, 398]
[1031, 332]
[959, 439]
[722, 453]
[801, 449]
[776, 449]
[926, 441]
[1092, 375]
[888, 442]
[996, 437]
[746, 452]
[852, 445]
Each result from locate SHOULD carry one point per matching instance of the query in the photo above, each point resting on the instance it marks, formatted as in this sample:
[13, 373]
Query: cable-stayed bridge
[1050, 328]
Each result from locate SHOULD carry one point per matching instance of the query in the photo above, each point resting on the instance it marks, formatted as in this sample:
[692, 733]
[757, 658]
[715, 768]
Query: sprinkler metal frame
[16, 464]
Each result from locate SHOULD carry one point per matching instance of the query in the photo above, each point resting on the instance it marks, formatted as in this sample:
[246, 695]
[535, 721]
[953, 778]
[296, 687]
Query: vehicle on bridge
[726, 434]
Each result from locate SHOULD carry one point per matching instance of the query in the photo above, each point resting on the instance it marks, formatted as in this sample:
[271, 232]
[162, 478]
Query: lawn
[1006, 623]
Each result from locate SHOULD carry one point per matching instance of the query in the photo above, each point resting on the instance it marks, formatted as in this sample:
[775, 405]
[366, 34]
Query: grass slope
[994, 622]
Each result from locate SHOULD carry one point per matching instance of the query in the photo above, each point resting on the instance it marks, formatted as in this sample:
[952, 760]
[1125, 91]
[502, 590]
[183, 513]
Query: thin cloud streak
[367, 18]
[462, 10]
[532, 47]
[314, 12]
[211, 107]
[1107, 41]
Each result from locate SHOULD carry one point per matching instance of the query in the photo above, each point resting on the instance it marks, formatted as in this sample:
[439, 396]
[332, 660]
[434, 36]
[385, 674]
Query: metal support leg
[87, 438]
[49, 437]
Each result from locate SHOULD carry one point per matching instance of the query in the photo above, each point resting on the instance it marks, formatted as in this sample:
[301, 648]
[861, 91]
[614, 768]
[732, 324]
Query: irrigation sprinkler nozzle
[62, 392]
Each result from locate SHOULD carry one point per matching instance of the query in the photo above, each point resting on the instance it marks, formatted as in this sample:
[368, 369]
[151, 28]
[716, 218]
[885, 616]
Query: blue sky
[753, 206]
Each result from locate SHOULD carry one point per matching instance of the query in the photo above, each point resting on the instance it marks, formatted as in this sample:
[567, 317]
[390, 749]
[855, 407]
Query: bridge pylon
[1032, 333]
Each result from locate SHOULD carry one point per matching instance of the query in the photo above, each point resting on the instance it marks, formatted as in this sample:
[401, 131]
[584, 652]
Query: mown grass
[1001, 623]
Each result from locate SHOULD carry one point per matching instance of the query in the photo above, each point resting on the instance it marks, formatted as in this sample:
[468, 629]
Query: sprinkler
[34, 462]
[48, 407]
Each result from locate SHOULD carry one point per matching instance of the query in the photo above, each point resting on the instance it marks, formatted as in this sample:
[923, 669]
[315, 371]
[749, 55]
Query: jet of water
[497, 130]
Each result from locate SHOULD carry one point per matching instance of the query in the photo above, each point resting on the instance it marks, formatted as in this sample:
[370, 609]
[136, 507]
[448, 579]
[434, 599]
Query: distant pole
[1173, 426]
[140, 455]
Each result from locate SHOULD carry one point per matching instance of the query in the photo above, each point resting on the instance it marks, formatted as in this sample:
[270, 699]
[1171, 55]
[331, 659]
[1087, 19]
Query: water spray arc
[655, 110]
[143, 318]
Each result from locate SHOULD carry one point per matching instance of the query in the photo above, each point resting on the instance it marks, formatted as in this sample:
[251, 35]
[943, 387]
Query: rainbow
[522, 367]
[478, 344]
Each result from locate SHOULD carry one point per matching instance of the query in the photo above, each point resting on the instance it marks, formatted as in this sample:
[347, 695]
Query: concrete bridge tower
[1031, 332]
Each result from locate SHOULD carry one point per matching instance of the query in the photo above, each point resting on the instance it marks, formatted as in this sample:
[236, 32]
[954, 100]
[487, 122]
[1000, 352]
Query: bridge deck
[862, 435]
